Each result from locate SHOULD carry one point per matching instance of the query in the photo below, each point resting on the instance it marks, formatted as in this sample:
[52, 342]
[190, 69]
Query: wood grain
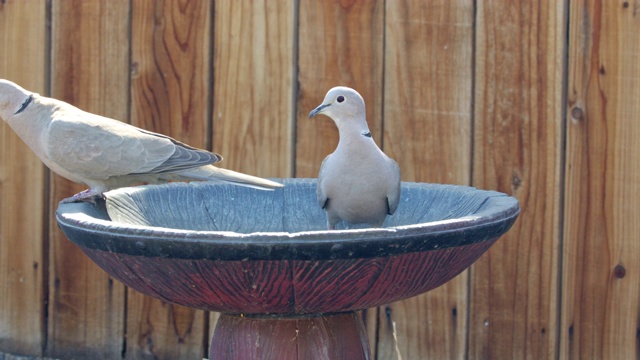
[601, 230]
[89, 69]
[253, 88]
[339, 43]
[518, 150]
[427, 129]
[169, 94]
[22, 188]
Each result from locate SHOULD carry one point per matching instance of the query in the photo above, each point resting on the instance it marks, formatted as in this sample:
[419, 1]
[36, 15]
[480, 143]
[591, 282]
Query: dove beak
[317, 110]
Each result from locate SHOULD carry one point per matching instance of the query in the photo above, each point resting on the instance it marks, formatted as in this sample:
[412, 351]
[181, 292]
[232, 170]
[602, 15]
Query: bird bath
[287, 288]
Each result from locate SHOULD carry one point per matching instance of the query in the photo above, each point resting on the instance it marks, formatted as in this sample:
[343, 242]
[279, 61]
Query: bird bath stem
[337, 336]
[287, 289]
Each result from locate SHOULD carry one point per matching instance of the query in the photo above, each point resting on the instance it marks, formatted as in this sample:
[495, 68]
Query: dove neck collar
[352, 127]
[24, 105]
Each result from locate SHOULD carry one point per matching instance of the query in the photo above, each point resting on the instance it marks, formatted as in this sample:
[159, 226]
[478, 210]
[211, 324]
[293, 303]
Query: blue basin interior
[220, 207]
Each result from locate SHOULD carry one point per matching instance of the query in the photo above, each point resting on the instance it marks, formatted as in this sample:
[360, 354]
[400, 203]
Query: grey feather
[105, 153]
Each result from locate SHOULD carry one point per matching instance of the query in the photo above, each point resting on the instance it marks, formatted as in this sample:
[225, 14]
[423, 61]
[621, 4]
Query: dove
[357, 183]
[104, 153]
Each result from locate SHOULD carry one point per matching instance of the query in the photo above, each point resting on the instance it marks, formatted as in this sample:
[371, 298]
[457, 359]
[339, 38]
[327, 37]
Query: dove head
[341, 103]
[13, 99]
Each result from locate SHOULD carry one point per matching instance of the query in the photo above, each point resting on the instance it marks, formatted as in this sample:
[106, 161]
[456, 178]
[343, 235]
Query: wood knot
[625, 4]
[347, 4]
[577, 113]
[135, 69]
[619, 271]
[515, 182]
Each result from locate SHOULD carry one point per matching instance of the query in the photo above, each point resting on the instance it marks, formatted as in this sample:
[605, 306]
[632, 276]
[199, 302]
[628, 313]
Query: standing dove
[357, 183]
[104, 153]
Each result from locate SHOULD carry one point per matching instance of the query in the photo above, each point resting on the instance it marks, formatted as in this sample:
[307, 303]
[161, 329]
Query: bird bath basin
[287, 288]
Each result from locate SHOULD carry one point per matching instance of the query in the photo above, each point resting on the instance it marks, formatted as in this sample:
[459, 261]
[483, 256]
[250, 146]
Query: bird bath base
[286, 287]
[339, 336]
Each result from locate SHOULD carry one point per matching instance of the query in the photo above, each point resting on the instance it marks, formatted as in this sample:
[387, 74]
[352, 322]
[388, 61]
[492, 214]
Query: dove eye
[340, 98]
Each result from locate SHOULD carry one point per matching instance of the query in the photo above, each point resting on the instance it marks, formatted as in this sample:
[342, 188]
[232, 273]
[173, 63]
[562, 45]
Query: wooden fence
[538, 99]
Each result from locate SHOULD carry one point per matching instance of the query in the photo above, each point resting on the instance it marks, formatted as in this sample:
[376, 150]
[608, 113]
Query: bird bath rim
[500, 211]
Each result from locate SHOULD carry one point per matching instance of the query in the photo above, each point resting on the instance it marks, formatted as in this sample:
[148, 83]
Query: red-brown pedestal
[339, 336]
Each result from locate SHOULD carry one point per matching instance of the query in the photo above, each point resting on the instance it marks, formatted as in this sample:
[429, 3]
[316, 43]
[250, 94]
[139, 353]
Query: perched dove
[357, 183]
[104, 153]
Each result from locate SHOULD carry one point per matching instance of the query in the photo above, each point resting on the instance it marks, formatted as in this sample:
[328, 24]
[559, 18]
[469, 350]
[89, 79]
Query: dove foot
[88, 195]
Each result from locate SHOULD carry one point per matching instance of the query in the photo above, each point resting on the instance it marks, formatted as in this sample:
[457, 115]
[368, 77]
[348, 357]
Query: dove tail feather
[212, 173]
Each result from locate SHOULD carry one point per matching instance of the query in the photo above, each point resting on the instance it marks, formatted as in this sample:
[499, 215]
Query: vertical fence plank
[427, 129]
[22, 187]
[602, 233]
[337, 45]
[253, 72]
[213, 321]
[90, 69]
[253, 89]
[518, 150]
[170, 93]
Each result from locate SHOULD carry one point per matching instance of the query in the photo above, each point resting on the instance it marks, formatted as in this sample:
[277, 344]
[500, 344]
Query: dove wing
[98, 148]
[322, 197]
[393, 194]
